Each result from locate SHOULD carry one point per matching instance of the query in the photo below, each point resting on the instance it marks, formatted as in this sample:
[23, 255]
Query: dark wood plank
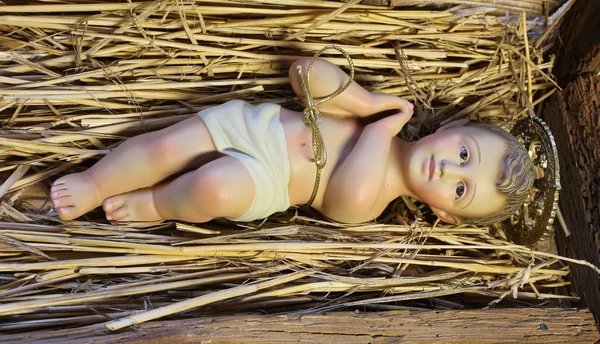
[531, 325]
[572, 115]
[573, 118]
[577, 46]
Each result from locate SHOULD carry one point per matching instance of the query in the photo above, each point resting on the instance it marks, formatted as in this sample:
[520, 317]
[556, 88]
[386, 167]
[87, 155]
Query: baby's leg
[221, 188]
[139, 162]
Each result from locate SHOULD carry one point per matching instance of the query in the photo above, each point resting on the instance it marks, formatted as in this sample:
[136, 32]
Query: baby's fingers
[405, 116]
[405, 106]
[384, 102]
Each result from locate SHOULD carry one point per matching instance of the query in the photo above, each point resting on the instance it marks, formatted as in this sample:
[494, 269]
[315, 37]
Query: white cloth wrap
[255, 136]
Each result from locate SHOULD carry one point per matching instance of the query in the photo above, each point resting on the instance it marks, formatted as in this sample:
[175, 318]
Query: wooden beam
[577, 46]
[572, 115]
[510, 325]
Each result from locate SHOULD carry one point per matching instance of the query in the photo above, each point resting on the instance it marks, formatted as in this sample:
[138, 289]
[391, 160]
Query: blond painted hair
[516, 178]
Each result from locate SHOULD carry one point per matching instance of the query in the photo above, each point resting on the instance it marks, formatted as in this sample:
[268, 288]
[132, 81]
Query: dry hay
[535, 7]
[78, 79]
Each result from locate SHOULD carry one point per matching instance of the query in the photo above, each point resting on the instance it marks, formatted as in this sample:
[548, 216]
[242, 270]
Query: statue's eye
[464, 155]
[460, 190]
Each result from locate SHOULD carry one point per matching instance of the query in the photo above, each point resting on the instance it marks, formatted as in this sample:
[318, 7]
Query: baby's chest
[340, 135]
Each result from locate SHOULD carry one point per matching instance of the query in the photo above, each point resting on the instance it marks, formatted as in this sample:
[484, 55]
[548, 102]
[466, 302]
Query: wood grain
[577, 45]
[550, 325]
[572, 115]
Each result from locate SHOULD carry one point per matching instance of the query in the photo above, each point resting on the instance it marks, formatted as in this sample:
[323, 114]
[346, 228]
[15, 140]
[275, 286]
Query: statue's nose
[449, 170]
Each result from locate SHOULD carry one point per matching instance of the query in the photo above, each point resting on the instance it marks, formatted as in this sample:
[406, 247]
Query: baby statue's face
[455, 171]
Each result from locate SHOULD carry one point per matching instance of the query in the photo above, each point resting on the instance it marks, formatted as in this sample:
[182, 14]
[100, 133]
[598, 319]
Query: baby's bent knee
[220, 194]
[161, 149]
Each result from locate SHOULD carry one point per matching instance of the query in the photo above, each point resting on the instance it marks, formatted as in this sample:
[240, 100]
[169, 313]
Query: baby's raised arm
[355, 187]
[326, 78]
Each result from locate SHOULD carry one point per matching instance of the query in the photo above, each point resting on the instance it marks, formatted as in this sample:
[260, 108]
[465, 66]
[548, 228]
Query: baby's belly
[339, 136]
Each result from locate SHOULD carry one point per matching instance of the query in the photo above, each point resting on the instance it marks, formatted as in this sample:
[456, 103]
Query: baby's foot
[134, 206]
[74, 195]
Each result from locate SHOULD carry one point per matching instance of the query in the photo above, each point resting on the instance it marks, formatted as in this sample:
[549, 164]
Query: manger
[80, 79]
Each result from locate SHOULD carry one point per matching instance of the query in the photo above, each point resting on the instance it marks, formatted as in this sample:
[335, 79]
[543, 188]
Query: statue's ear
[447, 217]
[454, 124]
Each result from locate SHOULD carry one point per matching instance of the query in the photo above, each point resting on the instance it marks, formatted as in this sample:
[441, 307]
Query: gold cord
[312, 113]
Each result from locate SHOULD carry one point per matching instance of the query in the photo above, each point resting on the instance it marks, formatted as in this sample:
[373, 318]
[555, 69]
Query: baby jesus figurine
[246, 162]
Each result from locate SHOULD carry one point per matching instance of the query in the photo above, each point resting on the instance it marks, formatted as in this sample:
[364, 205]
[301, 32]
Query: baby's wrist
[380, 129]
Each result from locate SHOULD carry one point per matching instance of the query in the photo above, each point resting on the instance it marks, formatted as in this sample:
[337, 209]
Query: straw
[80, 78]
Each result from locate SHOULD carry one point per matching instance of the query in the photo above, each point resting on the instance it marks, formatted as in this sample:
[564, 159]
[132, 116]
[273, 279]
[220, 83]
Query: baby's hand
[394, 123]
[384, 102]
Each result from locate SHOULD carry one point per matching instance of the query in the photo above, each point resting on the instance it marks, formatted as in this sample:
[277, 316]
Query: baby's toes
[120, 214]
[55, 194]
[65, 201]
[113, 203]
[60, 181]
[63, 211]
[58, 187]
[115, 208]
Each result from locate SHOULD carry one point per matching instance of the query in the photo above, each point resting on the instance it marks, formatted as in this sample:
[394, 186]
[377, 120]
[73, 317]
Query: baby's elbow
[353, 210]
[348, 217]
[302, 63]
[356, 220]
